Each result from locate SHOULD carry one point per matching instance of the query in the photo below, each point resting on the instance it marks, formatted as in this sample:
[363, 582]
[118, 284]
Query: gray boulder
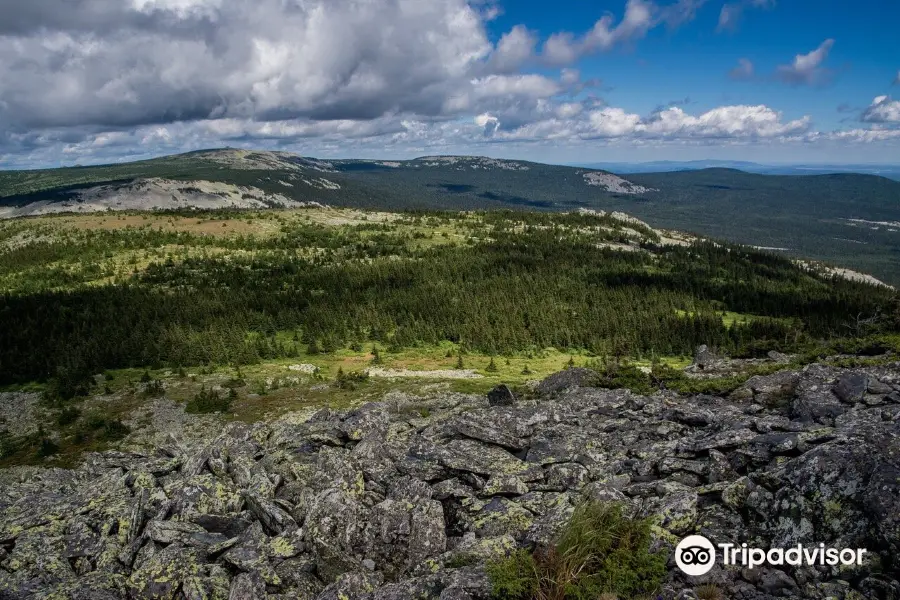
[501, 396]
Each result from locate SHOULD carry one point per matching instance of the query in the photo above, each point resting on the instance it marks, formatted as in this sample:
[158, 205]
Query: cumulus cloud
[732, 12]
[726, 122]
[126, 63]
[513, 50]
[99, 80]
[640, 17]
[669, 124]
[806, 69]
[166, 60]
[882, 110]
[743, 71]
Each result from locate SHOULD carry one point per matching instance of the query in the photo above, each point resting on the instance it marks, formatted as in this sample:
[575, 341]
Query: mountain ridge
[819, 216]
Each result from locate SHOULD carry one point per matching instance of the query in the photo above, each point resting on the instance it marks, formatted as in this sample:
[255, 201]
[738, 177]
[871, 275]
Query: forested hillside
[87, 293]
[848, 220]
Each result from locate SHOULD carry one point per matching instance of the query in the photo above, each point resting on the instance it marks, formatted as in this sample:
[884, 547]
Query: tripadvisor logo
[695, 555]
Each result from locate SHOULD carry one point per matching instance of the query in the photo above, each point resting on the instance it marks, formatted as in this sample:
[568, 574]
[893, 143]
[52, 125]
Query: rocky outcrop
[375, 504]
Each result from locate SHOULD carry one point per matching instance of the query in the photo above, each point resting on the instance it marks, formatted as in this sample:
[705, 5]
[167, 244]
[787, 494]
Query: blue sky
[693, 61]
[570, 81]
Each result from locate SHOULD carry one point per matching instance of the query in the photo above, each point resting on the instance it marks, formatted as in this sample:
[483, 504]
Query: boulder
[851, 387]
[369, 419]
[375, 505]
[563, 380]
[704, 357]
[501, 396]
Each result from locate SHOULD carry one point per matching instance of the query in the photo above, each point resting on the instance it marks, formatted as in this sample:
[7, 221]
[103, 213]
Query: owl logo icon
[695, 555]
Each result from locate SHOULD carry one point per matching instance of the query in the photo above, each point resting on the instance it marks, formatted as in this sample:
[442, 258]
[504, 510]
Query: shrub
[616, 375]
[114, 430]
[208, 401]
[599, 551]
[236, 382]
[492, 367]
[47, 448]
[109, 430]
[463, 559]
[349, 381]
[154, 388]
[709, 592]
[515, 577]
[68, 383]
[415, 409]
[94, 421]
[67, 416]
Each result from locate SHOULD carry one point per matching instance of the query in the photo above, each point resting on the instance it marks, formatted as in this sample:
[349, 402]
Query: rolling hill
[850, 220]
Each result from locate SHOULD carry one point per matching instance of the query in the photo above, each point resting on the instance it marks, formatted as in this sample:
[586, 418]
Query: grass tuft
[709, 592]
[599, 551]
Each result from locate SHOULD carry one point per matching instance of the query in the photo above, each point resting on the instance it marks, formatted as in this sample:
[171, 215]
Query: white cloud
[167, 60]
[726, 122]
[743, 71]
[882, 110]
[562, 49]
[497, 92]
[732, 12]
[97, 80]
[729, 16]
[575, 122]
[681, 12]
[182, 8]
[513, 50]
[807, 68]
[613, 122]
[864, 135]
[488, 123]
[640, 17]
[570, 76]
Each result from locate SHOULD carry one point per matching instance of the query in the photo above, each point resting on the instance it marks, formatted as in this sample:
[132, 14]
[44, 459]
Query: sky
[570, 81]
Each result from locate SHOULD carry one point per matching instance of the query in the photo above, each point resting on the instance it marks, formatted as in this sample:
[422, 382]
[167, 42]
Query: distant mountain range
[846, 219]
[665, 166]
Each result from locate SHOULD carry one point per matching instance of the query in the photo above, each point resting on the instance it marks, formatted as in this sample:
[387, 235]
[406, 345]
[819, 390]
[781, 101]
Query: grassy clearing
[272, 388]
[731, 318]
[514, 369]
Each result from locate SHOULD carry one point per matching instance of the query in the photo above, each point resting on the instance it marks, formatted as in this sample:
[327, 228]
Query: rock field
[382, 504]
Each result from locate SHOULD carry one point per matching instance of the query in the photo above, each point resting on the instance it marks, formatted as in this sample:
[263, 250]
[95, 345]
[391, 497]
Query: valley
[808, 216]
[215, 357]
